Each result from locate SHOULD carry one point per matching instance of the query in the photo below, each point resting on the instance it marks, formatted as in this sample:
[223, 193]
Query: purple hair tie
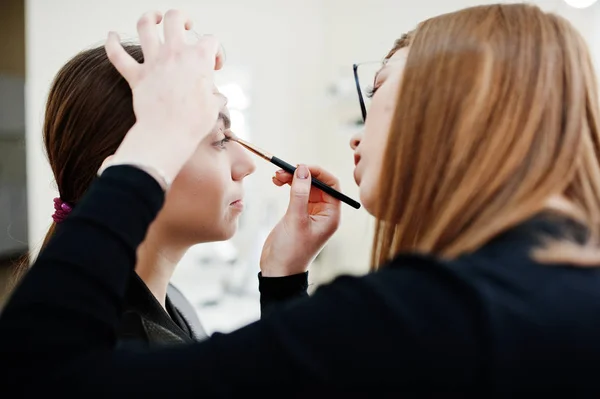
[61, 210]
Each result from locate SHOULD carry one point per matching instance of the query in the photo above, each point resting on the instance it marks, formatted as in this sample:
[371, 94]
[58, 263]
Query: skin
[368, 145]
[203, 205]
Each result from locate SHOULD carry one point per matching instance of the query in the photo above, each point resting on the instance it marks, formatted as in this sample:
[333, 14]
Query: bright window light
[238, 124]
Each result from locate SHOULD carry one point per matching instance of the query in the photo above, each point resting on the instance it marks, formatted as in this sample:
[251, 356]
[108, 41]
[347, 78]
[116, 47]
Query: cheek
[196, 200]
[201, 181]
[378, 122]
[372, 149]
[373, 144]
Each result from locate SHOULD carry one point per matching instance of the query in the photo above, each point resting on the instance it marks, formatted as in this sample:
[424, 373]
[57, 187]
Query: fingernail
[280, 172]
[302, 172]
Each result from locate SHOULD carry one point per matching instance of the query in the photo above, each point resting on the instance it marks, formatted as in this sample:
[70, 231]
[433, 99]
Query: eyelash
[221, 143]
[371, 91]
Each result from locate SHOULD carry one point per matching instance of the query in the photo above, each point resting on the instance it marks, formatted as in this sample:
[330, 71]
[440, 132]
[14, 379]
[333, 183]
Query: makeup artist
[480, 163]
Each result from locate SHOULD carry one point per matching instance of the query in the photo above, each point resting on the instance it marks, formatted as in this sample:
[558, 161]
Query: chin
[226, 232]
[366, 200]
[215, 234]
[228, 235]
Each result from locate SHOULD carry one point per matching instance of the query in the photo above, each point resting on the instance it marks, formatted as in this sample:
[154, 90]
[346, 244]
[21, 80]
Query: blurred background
[291, 91]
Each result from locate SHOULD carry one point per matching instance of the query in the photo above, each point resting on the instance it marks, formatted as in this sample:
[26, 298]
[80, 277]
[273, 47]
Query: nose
[242, 164]
[355, 140]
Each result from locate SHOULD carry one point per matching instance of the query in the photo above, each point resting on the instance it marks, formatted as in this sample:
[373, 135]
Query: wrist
[158, 175]
[268, 270]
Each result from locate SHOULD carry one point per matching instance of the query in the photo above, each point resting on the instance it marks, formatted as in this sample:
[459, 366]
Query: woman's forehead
[397, 59]
[400, 54]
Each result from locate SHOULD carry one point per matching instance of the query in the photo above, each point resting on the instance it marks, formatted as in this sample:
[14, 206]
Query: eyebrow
[384, 65]
[226, 120]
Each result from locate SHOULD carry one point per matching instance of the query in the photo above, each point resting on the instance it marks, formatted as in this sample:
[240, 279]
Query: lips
[238, 204]
[356, 159]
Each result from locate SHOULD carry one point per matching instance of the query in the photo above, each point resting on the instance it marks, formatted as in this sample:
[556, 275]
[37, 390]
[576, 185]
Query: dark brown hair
[88, 113]
[496, 116]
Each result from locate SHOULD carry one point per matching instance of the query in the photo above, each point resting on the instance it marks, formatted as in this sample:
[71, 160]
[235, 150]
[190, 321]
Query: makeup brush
[291, 169]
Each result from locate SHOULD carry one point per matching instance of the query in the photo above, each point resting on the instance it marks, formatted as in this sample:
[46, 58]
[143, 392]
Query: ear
[105, 162]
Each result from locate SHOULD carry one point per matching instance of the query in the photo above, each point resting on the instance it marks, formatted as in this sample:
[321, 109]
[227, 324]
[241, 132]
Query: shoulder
[501, 289]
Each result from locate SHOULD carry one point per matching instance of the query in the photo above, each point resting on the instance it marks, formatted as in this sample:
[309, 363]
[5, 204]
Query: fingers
[220, 61]
[326, 177]
[282, 177]
[175, 25]
[122, 61]
[209, 46]
[299, 195]
[149, 38]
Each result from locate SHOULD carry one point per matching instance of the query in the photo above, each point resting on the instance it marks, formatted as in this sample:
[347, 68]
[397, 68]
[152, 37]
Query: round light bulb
[580, 3]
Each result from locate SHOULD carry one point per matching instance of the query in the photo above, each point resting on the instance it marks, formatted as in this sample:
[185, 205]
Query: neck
[157, 258]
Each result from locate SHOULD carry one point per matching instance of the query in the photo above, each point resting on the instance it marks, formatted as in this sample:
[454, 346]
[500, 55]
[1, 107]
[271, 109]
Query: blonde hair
[497, 114]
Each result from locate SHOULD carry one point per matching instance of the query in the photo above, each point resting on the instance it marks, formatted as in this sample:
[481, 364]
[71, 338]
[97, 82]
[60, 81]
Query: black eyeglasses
[363, 108]
[364, 74]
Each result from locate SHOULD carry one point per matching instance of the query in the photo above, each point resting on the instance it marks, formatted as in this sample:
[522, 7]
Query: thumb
[299, 194]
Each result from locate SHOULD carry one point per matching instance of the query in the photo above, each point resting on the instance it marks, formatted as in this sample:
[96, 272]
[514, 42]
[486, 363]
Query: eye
[371, 90]
[227, 135]
[221, 143]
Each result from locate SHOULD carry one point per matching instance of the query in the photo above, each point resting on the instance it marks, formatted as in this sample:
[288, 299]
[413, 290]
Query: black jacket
[144, 320]
[147, 323]
[490, 324]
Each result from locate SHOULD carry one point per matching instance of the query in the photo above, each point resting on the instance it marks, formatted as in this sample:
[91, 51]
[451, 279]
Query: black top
[486, 325]
[146, 323]
[145, 320]
[186, 310]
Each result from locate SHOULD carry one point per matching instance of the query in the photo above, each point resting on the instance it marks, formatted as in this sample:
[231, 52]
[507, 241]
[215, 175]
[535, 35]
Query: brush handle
[317, 183]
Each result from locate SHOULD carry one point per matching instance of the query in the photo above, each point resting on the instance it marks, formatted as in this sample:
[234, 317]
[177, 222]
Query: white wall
[295, 51]
[280, 46]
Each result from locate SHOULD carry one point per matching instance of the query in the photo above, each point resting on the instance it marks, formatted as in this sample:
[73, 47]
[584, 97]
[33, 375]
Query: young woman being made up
[88, 113]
